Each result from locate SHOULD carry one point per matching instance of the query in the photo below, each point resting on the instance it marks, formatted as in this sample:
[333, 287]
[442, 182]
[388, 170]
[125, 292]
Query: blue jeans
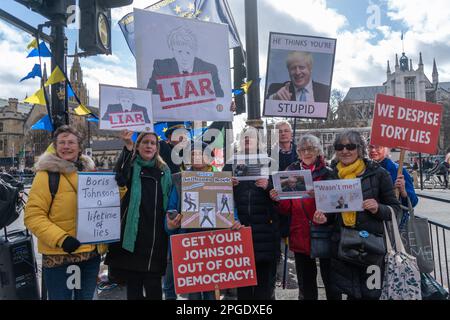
[56, 280]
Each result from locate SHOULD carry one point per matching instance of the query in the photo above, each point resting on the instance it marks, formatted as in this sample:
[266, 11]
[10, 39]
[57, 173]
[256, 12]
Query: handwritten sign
[338, 195]
[98, 208]
[207, 200]
[204, 261]
[406, 124]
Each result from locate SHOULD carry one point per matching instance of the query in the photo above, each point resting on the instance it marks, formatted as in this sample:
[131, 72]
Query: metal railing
[439, 234]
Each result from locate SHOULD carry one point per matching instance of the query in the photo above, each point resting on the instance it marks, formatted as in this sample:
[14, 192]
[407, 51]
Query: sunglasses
[349, 147]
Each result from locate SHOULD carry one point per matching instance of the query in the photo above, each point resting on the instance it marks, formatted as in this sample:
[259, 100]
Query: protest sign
[98, 218]
[293, 184]
[406, 124]
[186, 64]
[207, 200]
[125, 108]
[206, 261]
[338, 195]
[250, 167]
[299, 74]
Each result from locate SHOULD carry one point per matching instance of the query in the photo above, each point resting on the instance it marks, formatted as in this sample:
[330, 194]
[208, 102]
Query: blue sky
[362, 52]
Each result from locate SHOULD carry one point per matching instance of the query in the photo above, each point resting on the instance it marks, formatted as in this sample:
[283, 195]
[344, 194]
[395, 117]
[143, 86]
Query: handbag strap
[398, 241]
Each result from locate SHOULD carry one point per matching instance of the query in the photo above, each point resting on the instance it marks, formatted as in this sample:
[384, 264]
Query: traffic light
[48, 8]
[95, 25]
[240, 73]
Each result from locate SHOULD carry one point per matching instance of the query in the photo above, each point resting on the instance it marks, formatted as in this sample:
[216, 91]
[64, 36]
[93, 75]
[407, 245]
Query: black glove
[70, 244]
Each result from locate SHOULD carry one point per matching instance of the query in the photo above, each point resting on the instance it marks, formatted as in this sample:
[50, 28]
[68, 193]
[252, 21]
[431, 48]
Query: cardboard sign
[299, 74]
[125, 108]
[205, 261]
[98, 218]
[207, 200]
[293, 184]
[186, 64]
[406, 124]
[338, 195]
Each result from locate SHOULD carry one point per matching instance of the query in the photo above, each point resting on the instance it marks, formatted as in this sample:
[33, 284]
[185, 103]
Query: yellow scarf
[350, 172]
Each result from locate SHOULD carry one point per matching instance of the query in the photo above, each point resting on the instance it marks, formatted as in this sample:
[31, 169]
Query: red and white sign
[126, 119]
[406, 124]
[204, 261]
[185, 90]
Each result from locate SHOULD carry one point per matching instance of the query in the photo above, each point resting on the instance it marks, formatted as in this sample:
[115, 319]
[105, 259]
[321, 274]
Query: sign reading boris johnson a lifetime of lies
[186, 64]
[299, 74]
[406, 124]
[206, 261]
[125, 108]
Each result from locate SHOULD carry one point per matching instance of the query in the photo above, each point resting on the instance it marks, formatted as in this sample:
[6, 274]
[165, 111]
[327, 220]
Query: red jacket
[302, 210]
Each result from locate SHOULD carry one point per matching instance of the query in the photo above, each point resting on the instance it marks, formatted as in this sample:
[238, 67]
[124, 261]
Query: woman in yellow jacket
[53, 221]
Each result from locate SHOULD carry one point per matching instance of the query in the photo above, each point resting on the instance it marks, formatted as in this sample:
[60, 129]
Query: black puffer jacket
[376, 184]
[150, 254]
[255, 209]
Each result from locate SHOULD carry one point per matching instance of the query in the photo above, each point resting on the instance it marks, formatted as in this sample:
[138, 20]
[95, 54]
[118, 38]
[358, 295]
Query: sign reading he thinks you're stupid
[299, 74]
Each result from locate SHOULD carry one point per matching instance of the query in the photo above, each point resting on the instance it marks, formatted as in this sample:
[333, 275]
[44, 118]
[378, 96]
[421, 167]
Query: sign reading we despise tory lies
[406, 124]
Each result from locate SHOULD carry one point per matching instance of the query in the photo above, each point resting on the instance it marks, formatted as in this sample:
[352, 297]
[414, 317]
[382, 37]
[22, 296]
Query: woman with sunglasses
[378, 195]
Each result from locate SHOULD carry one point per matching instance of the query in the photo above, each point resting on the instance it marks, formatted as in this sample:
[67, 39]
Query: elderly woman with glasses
[378, 195]
[302, 210]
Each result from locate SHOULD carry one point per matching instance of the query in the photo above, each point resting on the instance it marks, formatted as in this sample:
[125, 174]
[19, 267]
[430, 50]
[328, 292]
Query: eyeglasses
[307, 149]
[349, 147]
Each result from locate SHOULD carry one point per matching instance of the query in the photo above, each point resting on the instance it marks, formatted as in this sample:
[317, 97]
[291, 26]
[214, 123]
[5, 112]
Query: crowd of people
[149, 182]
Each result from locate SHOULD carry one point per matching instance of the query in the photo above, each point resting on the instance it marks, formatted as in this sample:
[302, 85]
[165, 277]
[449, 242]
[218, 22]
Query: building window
[1, 145]
[393, 87]
[1, 126]
[410, 88]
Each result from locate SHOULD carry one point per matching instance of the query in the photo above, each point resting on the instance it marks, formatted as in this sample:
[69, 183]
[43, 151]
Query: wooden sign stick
[217, 292]
[400, 170]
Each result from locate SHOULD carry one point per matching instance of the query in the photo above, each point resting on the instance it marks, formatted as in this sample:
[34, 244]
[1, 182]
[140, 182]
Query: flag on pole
[55, 77]
[43, 124]
[36, 72]
[246, 86]
[37, 98]
[43, 50]
[205, 10]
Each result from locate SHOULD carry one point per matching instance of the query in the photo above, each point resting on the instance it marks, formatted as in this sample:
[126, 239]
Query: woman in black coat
[378, 195]
[256, 210]
[140, 257]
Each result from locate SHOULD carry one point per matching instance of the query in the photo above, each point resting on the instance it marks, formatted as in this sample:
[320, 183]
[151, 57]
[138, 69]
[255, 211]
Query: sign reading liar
[98, 208]
[126, 119]
[205, 261]
[185, 90]
[406, 124]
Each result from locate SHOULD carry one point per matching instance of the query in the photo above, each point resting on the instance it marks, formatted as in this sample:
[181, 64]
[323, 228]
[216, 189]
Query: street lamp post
[252, 48]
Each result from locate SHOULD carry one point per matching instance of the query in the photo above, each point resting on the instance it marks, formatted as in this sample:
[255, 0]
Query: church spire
[397, 65]
[388, 68]
[410, 65]
[435, 73]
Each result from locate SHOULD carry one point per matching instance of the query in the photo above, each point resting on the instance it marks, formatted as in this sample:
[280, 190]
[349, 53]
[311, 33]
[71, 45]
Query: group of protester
[149, 182]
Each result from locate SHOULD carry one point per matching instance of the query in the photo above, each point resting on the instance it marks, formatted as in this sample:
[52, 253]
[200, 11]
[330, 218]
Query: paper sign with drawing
[338, 195]
[207, 200]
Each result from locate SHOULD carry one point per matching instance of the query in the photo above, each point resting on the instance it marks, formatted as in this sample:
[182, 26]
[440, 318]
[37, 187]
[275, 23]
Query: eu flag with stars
[206, 10]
